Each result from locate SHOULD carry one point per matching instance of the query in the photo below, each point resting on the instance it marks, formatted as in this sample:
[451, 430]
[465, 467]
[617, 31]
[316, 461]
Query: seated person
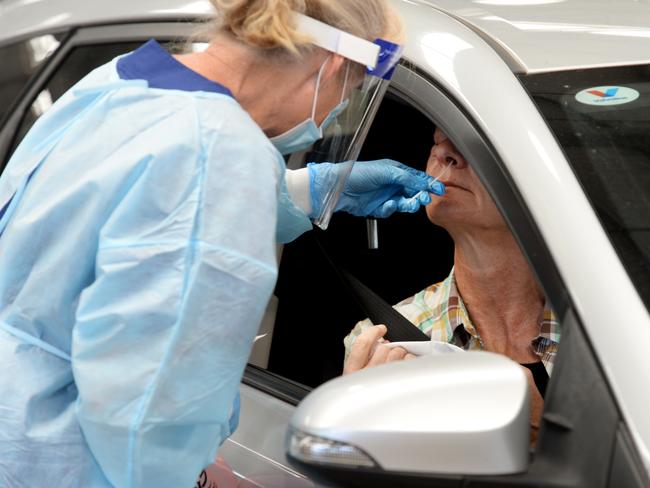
[490, 300]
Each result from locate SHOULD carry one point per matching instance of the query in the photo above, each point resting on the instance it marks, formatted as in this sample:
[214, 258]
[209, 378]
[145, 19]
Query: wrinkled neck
[496, 282]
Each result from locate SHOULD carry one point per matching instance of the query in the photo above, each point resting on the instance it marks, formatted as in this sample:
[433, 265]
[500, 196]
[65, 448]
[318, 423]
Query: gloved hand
[374, 188]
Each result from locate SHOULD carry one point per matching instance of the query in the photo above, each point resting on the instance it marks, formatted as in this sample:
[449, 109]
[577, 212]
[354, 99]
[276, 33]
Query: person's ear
[333, 68]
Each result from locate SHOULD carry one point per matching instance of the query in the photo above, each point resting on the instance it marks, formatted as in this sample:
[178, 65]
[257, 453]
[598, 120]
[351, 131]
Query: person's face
[466, 204]
[329, 93]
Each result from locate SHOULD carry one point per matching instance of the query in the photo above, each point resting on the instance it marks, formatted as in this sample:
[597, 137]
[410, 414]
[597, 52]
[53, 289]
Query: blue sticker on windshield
[607, 95]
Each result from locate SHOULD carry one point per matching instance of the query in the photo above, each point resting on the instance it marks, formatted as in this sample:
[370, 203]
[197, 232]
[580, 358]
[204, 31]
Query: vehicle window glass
[81, 61]
[20, 61]
[77, 64]
[601, 118]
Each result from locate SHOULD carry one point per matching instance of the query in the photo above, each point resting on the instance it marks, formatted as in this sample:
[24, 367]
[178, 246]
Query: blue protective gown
[137, 255]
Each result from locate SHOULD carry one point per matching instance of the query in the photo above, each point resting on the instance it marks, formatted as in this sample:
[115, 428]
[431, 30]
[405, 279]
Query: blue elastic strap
[389, 54]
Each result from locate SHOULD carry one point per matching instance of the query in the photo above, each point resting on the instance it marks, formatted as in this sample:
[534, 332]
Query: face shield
[345, 129]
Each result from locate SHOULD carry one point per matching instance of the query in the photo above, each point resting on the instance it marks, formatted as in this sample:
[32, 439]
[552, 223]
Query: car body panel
[474, 74]
[264, 419]
[536, 33]
[26, 18]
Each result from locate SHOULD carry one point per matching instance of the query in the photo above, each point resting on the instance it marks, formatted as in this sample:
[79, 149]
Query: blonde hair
[269, 24]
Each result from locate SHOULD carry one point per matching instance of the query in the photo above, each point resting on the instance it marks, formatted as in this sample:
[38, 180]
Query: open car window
[315, 311]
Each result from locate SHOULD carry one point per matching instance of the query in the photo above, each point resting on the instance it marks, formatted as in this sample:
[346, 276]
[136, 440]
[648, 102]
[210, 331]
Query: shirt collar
[152, 63]
[549, 326]
[461, 317]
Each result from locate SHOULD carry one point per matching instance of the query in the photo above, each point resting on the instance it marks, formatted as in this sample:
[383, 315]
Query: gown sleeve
[184, 269]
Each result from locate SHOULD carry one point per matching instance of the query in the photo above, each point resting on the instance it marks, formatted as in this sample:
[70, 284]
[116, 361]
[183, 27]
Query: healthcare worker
[138, 224]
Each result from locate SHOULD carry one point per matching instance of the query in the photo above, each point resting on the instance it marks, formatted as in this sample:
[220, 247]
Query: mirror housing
[449, 414]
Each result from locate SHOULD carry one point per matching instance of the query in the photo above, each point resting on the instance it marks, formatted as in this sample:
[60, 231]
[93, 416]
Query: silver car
[550, 100]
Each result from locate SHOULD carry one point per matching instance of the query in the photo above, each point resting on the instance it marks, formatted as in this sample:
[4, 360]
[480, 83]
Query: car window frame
[421, 92]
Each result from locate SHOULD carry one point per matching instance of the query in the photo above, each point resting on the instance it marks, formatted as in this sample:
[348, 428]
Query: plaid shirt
[440, 313]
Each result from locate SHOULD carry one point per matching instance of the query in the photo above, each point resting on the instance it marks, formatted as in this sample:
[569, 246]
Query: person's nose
[446, 156]
[443, 157]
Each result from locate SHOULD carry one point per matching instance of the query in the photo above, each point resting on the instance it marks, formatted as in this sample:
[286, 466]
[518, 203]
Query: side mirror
[441, 417]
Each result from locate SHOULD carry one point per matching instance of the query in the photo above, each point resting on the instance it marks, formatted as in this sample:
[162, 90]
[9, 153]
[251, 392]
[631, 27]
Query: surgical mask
[307, 132]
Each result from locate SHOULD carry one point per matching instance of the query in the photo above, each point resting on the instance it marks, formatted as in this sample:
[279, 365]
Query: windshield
[601, 118]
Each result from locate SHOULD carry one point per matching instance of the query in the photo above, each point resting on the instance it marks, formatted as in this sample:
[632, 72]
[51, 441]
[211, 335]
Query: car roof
[25, 18]
[530, 35]
[550, 35]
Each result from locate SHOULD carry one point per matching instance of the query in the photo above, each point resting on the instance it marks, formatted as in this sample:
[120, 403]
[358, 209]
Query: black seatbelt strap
[378, 310]
[381, 312]
[540, 376]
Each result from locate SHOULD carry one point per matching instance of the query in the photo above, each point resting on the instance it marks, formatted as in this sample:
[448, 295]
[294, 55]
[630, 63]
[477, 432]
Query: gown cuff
[298, 186]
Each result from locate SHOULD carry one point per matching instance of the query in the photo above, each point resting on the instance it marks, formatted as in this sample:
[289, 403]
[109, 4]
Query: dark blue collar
[151, 62]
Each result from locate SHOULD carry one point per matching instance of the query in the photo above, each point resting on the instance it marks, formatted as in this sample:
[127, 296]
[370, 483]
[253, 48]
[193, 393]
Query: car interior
[315, 308]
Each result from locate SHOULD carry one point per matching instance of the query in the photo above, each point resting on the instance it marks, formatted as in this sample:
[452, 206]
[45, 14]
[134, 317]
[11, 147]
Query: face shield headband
[345, 131]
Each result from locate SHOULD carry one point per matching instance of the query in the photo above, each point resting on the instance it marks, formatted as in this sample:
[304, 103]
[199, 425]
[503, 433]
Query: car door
[584, 439]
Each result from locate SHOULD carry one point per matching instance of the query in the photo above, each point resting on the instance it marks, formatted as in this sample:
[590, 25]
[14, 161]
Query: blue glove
[374, 188]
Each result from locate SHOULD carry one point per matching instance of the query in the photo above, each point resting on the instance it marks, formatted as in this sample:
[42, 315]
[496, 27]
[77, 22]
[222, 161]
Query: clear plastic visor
[345, 134]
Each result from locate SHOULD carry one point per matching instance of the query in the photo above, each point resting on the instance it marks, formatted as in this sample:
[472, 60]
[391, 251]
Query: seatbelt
[381, 312]
[376, 308]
